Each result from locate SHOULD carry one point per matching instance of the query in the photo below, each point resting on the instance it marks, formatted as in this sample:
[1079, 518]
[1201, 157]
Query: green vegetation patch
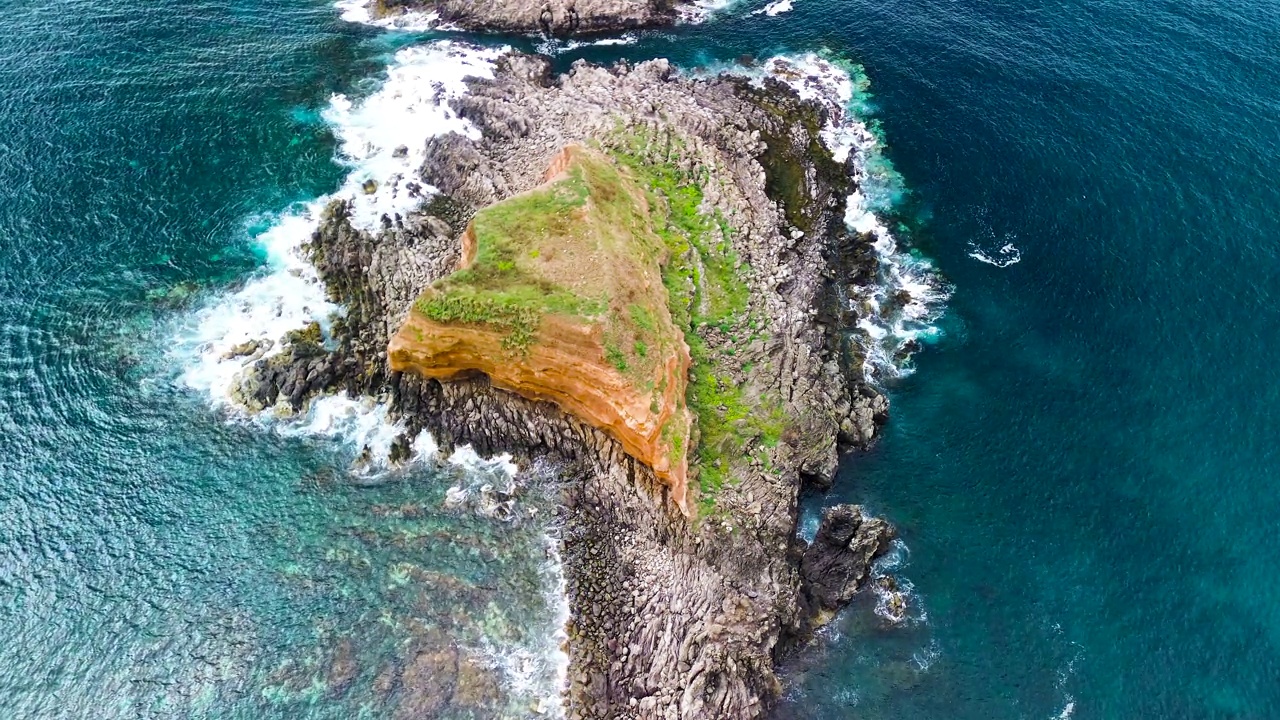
[580, 247]
[785, 163]
[706, 285]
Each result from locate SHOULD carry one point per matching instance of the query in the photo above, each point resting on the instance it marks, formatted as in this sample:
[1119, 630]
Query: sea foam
[900, 309]
[700, 11]
[537, 670]
[559, 46]
[534, 668]
[1065, 675]
[382, 139]
[896, 599]
[777, 7]
[358, 11]
[1001, 257]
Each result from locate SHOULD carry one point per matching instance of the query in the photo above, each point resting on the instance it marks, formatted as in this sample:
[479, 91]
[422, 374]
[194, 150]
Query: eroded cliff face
[672, 617]
[566, 367]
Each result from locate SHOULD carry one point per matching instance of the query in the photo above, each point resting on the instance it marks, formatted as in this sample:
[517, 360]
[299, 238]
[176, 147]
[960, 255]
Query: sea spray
[356, 422]
[382, 139]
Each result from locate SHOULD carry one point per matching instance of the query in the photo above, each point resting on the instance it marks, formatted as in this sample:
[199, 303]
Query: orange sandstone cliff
[559, 297]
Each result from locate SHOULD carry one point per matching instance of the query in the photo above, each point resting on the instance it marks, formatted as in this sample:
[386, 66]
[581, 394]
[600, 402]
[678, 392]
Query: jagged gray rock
[835, 566]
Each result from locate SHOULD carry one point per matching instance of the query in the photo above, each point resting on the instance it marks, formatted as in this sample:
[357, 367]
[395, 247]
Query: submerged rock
[253, 349]
[177, 296]
[343, 668]
[428, 682]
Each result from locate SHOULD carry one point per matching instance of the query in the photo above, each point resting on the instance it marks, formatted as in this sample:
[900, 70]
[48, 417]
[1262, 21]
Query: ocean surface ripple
[1076, 195]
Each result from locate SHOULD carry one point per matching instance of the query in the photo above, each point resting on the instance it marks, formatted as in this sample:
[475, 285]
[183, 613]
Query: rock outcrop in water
[673, 615]
[553, 17]
[835, 566]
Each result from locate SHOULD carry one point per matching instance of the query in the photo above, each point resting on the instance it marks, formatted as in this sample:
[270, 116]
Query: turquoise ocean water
[1082, 463]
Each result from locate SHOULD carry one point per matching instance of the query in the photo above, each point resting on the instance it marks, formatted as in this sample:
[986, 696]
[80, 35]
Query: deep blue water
[1082, 467]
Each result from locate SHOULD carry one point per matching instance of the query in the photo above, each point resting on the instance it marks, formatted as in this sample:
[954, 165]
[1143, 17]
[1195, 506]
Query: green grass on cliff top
[581, 247]
[706, 286]
[623, 240]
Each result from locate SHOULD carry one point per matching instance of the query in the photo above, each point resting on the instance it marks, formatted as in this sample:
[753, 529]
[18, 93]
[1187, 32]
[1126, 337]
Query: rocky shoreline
[674, 615]
[551, 17]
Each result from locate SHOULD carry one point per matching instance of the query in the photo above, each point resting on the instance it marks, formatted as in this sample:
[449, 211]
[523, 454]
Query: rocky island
[644, 277]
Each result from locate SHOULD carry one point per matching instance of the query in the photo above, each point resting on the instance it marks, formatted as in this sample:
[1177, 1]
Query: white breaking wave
[467, 458]
[361, 423]
[537, 672]
[899, 310]
[358, 11]
[808, 525]
[1002, 257]
[699, 11]
[559, 46]
[777, 7]
[896, 599]
[382, 139]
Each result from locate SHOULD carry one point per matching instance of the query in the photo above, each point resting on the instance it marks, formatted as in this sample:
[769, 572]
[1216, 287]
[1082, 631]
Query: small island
[643, 278]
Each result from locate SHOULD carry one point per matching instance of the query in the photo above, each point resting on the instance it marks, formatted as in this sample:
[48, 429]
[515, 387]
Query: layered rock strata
[672, 616]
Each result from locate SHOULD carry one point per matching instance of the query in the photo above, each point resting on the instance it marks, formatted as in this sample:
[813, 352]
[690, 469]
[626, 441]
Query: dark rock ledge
[672, 617]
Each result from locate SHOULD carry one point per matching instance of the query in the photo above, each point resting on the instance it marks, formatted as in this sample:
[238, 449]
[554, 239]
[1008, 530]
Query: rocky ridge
[672, 617]
[551, 17]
